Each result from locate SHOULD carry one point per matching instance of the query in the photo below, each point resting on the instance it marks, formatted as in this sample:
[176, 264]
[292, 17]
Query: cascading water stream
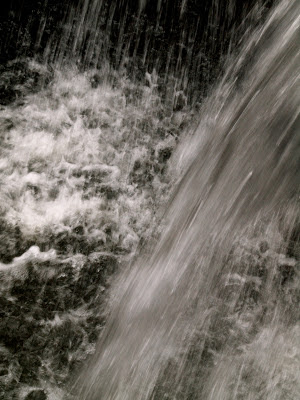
[197, 302]
[243, 166]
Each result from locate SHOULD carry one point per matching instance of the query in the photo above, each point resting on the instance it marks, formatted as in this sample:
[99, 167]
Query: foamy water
[83, 172]
[67, 161]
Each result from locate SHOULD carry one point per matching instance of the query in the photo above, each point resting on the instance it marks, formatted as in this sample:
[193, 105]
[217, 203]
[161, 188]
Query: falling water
[184, 323]
[208, 309]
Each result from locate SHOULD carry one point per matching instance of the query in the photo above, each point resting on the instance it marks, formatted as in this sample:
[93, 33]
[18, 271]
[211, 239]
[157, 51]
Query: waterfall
[209, 312]
[149, 200]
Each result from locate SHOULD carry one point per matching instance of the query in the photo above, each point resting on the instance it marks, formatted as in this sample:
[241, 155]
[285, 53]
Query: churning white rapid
[241, 170]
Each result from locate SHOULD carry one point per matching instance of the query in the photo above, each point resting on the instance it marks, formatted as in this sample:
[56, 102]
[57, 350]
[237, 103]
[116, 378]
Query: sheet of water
[241, 166]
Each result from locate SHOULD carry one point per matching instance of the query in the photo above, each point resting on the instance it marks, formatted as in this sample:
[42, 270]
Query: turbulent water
[81, 174]
[210, 312]
[126, 211]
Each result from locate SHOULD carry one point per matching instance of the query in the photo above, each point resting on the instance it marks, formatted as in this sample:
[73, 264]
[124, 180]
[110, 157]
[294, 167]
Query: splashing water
[208, 314]
[81, 174]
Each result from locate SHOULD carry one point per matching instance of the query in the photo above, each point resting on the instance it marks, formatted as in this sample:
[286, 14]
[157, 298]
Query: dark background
[187, 40]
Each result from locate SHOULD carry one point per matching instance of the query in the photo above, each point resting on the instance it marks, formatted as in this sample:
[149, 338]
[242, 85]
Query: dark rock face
[37, 324]
[9, 241]
[36, 395]
[18, 78]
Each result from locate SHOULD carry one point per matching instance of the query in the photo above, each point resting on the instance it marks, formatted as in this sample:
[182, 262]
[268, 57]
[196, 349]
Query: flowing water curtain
[245, 172]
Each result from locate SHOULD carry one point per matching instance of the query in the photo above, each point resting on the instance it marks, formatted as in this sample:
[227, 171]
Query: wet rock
[164, 154]
[37, 313]
[62, 340]
[36, 395]
[286, 269]
[66, 275]
[6, 124]
[51, 300]
[94, 275]
[74, 241]
[7, 391]
[93, 327]
[18, 78]
[133, 94]
[35, 343]
[5, 359]
[9, 241]
[63, 242]
[105, 263]
[7, 307]
[96, 181]
[15, 330]
[109, 192]
[180, 101]
[96, 80]
[27, 291]
[142, 173]
[30, 364]
[93, 336]
[79, 230]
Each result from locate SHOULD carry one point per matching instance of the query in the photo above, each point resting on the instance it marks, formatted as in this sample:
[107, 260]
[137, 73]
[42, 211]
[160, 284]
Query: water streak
[243, 166]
